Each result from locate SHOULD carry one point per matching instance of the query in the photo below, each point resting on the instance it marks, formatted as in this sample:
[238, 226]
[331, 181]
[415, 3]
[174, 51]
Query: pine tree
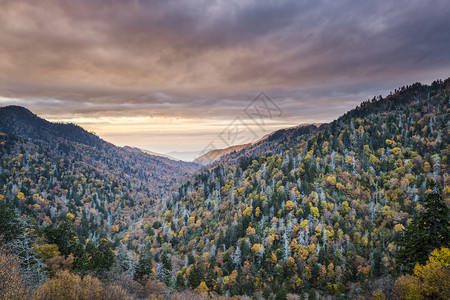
[162, 273]
[17, 238]
[144, 266]
[10, 225]
[64, 236]
[103, 257]
[195, 276]
[237, 257]
[164, 268]
[166, 261]
[180, 283]
[428, 230]
[82, 264]
[281, 294]
[125, 261]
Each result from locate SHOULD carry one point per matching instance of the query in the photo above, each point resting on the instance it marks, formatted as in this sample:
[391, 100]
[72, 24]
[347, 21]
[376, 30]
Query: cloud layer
[209, 59]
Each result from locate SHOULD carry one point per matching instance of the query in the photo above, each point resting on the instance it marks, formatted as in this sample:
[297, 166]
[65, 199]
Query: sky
[188, 75]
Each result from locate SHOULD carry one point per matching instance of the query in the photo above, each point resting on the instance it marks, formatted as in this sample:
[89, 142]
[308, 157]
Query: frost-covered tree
[237, 257]
[125, 261]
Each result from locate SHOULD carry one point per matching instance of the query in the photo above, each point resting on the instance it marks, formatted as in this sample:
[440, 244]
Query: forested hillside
[315, 210]
[320, 211]
[49, 171]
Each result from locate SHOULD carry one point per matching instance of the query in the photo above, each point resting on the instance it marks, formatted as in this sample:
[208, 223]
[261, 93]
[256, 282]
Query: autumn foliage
[311, 211]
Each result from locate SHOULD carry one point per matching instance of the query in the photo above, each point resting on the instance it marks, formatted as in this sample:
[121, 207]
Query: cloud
[209, 59]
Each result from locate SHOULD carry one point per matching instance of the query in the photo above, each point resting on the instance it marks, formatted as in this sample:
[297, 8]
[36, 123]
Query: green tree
[144, 266]
[281, 294]
[10, 223]
[65, 237]
[427, 231]
[103, 258]
[195, 276]
[82, 264]
[180, 282]
[166, 261]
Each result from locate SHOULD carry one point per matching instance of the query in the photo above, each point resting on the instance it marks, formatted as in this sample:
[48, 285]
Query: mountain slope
[50, 169]
[138, 150]
[312, 210]
[216, 154]
[20, 121]
[274, 142]
[269, 142]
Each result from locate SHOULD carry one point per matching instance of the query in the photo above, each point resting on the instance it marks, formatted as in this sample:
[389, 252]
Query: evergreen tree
[281, 294]
[428, 230]
[125, 261]
[10, 225]
[195, 276]
[180, 282]
[103, 258]
[82, 264]
[164, 268]
[65, 237]
[166, 261]
[144, 266]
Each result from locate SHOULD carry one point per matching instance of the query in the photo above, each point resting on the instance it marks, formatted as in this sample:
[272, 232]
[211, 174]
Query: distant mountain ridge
[273, 142]
[256, 146]
[19, 121]
[216, 154]
[135, 149]
[184, 155]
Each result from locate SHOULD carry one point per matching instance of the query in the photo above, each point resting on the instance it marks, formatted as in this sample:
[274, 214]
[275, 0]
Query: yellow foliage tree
[399, 227]
[345, 207]
[396, 151]
[289, 205]
[331, 180]
[256, 248]
[47, 251]
[202, 288]
[232, 279]
[430, 281]
[70, 216]
[257, 212]
[390, 142]
[290, 263]
[304, 224]
[314, 212]
[67, 286]
[250, 231]
[272, 258]
[373, 159]
[248, 211]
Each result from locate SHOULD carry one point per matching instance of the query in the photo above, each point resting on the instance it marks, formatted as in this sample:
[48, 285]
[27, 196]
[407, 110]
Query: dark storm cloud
[197, 58]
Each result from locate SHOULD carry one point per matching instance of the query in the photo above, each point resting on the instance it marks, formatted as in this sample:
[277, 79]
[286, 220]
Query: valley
[316, 210]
